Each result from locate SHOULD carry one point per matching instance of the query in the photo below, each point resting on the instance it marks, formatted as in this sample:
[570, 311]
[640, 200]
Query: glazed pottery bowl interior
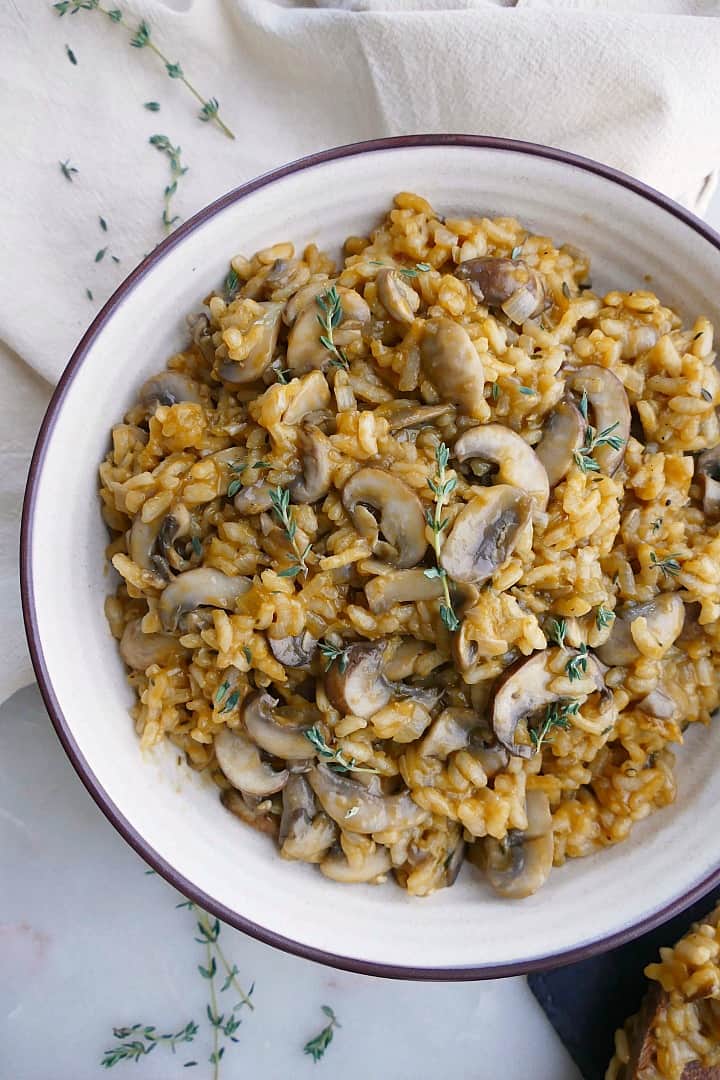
[173, 815]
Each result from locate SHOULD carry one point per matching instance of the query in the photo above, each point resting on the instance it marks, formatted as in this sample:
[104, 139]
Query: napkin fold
[632, 83]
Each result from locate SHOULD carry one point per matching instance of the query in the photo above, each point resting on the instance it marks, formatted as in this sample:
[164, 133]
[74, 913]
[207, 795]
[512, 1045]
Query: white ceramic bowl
[172, 816]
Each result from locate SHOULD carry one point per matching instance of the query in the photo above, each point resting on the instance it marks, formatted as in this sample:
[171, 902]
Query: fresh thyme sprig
[138, 1041]
[557, 631]
[576, 666]
[557, 715]
[141, 38]
[317, 1046]
[332, 653]
[603, 617]
[668, 565]
[593, 440]
[235, 484]
[442, 488]
[177, 169]
[335, 758]
[67, 169]
[330, 317]
[280, 498]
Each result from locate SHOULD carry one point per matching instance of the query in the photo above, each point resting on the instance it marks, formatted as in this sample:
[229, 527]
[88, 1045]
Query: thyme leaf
[317, 1046]
[330, 317]
[335, 758]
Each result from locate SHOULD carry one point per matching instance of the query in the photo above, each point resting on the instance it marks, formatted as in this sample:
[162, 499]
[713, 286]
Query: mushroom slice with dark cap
[254, 499]
[314, 481]
[509, 284]
[246, 808]
[563, 433]
[368, 812]
[402, 521]
[384, 591]
[610, 411]
[707, 468]
[202, 587]
[664, 615]
[519, 865]
[305, 833]
[452, 364]
[457, 728]
[295, 651]
[484, 533]
[140, 650]
[525, 688]
[263, 726]
[169, 388]
[260, 355]
[516, 461]
[373, 867]
[358, 686]
[240, 761]
[401, 414]
[396, 295]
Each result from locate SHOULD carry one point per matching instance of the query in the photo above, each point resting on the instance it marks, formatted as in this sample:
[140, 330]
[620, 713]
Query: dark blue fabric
[586, 1002]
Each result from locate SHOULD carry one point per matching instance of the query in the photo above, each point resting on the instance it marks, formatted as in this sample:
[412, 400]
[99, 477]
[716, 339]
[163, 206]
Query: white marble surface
[89, 941]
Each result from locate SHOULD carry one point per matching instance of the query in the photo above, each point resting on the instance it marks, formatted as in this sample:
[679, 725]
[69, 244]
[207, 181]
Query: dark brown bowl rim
[63, 728]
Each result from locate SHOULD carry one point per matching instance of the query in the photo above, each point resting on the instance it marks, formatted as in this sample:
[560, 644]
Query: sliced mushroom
[169, 388]
[610, 408]
[305, 351]
[509, 284]
[304, 297]
[370, 871]
[409, 414]
[202, 587]
[519, 865]
[384, 591]
[241, 763]
[260, 355]
[368, 812]
[452, 364]
[402, 521]
[175, 526]
[241, 807]
[457, 729]
[708, 469]
[517, 462]
[484, 533]
[314, 483]
[563, 433]
[263, 726]
[396, 295]
[658, 703]
[254, 499]
[141, 541]
[305, 834]
[525, 688]
[312, 395]
[140, 650]
[356, 685]
[295, 651]
[665, 615]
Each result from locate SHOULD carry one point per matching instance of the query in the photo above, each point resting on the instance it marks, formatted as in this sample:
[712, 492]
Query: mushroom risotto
[419, 552]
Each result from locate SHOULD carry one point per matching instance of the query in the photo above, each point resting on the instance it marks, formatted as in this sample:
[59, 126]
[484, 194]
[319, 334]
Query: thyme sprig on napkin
[141, 38]
[316, 1047]
[177, 170]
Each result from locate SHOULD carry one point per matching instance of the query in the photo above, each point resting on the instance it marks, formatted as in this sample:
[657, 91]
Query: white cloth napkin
[634, 83]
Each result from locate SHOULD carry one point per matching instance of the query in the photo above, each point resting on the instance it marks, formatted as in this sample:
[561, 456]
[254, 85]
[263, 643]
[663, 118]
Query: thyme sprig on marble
[141, 38]
[177, 170]
[317, 1046]
[442, 488]
[138, 1041]
[280, 498]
